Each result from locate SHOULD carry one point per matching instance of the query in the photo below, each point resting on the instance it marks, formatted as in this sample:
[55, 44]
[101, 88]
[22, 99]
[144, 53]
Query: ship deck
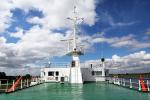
[91, 91]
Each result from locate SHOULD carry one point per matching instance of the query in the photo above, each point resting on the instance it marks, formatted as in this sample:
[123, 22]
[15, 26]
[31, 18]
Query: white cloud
[55, 15]
[21, 71]
[2, 54]
[107, 18]
[35, 20]
[113, 23]
[5, 14]
[36, 44]
[147, 56]
[131, 60]
[2, 40]
[40, 42]
[18, 34]
[137, 62]
[128, 41]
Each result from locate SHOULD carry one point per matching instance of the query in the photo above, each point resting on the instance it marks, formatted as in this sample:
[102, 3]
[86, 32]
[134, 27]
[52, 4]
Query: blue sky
[134, 17]
[31, 31]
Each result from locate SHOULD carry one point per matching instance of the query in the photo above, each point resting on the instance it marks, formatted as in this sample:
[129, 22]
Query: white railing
[6, 84]
[56, 64]
[130, 83]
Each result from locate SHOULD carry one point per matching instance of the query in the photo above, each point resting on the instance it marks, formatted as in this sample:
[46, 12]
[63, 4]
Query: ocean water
[91, 91]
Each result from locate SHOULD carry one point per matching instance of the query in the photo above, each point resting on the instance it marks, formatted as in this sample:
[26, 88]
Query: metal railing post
[124, 83]
[121, 81]
[7, 86]
[13, 85]
[39, 81]
[110, 80]
[118, 81]
[36, 80]
[130, 83]
[27, 83]
[114, 80]
[21, 84]
[147, 85]
[139, 86]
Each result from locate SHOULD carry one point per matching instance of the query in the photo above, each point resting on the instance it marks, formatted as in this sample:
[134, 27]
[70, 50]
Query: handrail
[131, 83]
[24, 83]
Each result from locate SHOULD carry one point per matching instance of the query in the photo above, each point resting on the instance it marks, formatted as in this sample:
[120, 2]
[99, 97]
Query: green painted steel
[91, 91]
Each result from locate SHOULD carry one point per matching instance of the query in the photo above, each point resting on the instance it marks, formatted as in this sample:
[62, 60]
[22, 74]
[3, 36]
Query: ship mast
[75, 20]
[74, 29]
[75, 70]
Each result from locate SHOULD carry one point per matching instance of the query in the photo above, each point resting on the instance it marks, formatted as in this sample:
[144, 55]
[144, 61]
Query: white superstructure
[55, 74]
[90, 72]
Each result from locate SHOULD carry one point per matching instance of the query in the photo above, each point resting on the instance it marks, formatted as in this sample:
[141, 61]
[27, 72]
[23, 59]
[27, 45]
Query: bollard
[0, 83]
[130, 83]
[147, 85]
[139, 86]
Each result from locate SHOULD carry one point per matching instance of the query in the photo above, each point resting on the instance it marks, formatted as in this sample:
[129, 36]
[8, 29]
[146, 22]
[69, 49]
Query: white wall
[86, 75]
[63, 72]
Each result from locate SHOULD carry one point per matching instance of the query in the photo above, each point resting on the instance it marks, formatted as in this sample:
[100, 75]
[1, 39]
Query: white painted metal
[139, 86]
[148, 86]
[75, 71]
[13, 85]
[21, 84]
[86, 73]
[130, 83]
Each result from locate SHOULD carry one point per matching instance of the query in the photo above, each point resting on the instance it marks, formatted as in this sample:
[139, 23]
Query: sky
[31, 32]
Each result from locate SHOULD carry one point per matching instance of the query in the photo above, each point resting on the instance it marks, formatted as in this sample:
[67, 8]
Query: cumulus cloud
[5, 14]
[137, 59]
[21, 71]
[137, 62]
[40, 41]
[55, 15]
[2, 40]
[36, 44]
[124, 41]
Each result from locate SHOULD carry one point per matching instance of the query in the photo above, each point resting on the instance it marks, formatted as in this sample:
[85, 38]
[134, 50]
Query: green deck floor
[92, 91]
